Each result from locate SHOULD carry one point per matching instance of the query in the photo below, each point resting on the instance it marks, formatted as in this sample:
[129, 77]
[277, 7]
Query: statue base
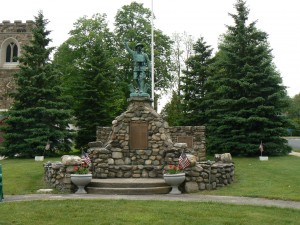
[141, 94]
[145, 99]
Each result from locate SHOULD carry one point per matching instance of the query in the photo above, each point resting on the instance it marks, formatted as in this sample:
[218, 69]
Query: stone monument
[139, 143]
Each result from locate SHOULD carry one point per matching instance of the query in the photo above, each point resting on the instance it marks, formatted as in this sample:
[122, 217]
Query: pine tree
[194, 82]
[246, 97]
[172, 111]
[100, 97]
[39, 116]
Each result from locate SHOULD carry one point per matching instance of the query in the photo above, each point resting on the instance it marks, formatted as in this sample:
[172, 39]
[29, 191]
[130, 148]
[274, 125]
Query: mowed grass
[118, 212]
[277, 178]
[23, 176]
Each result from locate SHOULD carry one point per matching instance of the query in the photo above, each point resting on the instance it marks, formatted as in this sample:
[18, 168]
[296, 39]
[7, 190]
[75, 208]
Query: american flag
[85, 157]
[261, 147]
[184, 161]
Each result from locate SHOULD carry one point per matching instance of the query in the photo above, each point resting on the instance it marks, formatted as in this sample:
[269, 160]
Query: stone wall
[58, 174]
[108, 162]
[195, 133]
[19, 33]
[7, 85]
[102, 134]
[207, 175]
[194, 137]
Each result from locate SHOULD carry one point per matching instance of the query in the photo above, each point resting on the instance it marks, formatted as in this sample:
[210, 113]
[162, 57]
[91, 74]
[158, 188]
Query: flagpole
[152, 53]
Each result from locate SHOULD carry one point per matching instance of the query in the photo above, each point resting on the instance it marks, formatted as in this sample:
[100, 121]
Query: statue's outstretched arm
[125, 41]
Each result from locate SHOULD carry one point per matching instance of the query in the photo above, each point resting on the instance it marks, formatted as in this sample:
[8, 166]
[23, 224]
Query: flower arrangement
[82, 169]
[172, 169]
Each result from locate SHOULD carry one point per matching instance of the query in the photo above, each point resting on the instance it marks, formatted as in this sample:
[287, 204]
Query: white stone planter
[81, 180]
[39, 158]
[174, 180]
[263, 158]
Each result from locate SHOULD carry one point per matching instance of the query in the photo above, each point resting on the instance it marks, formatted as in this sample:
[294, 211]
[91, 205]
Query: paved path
[168, 197]
[295, 154]
[294, 142]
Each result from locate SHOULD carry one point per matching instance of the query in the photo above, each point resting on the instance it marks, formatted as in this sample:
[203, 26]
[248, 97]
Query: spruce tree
[246, 96]
[39, 116]
[100, 98]
[194, 82]
[172, 111]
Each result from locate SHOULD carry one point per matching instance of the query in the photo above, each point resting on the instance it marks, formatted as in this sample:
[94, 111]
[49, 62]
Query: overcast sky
[207, 18]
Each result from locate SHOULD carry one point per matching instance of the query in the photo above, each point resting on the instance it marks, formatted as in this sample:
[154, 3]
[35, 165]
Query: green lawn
[90, 212]
[23, 176]
[277, 178]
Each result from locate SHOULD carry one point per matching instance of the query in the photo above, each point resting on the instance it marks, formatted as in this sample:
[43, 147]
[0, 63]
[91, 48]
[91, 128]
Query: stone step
[128, 186]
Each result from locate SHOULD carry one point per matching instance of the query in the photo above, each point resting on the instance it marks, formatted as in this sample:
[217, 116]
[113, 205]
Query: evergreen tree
[293, 113]
[39, 116]
[246, 97]
[193, 83]
[87, 61]
[172, 111]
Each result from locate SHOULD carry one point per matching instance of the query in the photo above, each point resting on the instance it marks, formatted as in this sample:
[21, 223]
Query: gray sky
[207, 18]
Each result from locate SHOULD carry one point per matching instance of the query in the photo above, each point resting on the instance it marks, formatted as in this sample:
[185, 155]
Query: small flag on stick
[261, 147]
[184, 161]
[85, 157]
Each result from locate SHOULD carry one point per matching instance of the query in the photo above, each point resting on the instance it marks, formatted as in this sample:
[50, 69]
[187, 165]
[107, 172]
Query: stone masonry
[20, 34]
[140, 144]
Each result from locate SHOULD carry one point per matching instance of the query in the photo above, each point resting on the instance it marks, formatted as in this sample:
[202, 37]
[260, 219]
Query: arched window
[11, 52]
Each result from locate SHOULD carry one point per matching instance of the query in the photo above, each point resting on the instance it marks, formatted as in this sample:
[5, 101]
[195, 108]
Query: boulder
[70, 160]
[223, 158]
[190, 187]
[192, 159]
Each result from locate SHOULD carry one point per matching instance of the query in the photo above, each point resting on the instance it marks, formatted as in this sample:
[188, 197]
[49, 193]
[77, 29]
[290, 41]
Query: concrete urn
[81, 180]
[174, 180]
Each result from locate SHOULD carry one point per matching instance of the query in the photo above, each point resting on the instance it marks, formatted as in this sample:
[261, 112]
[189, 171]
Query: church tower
[12, 37]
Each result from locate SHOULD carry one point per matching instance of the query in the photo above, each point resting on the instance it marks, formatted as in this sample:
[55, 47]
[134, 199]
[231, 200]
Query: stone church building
[13, 35]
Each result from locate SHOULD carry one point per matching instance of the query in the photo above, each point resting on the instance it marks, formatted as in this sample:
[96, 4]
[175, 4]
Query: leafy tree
[87, 61]
[246, 97]
[39, 115]
[133, 22]
[182, 49]
[194, 82]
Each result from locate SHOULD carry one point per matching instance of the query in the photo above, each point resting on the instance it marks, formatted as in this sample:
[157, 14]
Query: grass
[277, 178]
[23, 176]
[77, 212]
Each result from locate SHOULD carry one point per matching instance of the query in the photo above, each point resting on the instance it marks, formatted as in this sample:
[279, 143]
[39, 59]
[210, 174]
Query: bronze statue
[141, 61]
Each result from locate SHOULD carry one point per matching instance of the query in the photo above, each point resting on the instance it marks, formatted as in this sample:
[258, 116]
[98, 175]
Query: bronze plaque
[138, 136]
[186, 139]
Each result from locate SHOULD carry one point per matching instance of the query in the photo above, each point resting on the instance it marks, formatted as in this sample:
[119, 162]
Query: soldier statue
[141, 61]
